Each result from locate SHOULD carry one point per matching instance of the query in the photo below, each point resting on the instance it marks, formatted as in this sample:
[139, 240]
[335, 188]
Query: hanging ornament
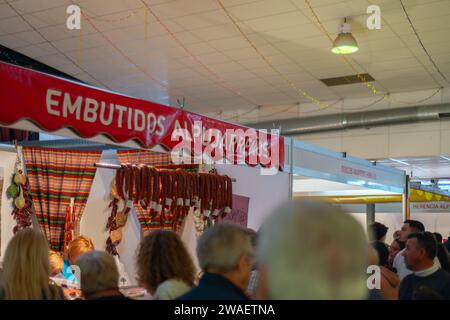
[19, 190]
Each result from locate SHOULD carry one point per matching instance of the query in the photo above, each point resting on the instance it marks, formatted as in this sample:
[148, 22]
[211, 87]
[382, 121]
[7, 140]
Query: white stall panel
[96, 213]
[266, 193]
[7, 163]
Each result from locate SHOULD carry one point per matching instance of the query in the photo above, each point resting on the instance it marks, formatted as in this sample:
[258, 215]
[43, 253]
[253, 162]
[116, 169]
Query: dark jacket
[438, 283]
[214, 287]
[447, 244]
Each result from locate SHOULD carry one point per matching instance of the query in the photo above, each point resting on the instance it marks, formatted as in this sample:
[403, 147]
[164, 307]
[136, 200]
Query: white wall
[189, 238]
[96, 213]
[392, 220]
[266, 193]
[7, 162]
[434, 222]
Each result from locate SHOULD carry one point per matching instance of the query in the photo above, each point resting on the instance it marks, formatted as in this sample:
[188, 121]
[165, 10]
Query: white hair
[314, 251]
[221, 246]
[98, 271]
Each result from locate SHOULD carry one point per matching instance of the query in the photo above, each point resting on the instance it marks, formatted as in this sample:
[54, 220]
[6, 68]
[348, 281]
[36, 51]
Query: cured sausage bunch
[168, 195]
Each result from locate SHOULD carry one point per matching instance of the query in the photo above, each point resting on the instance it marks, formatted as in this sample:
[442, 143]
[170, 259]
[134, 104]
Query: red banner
[53, 103]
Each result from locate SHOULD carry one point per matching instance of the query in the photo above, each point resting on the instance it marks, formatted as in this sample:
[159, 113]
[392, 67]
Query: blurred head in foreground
[311, 250]
[26, 269]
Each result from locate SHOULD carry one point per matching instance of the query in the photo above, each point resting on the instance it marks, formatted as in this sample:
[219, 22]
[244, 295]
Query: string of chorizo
[175, 177]
[156, 192]
[119, 180]
[184, 195]
[213, 192]
[137, 184]
[177, 210]
[129, 181]
[142, 188]
[220, 195]
[150, 188]
[229, 195]
[184, 190]
[165, 187]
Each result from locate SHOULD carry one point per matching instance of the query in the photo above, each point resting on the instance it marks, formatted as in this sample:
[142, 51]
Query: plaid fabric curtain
[159, 160]
[55, 177]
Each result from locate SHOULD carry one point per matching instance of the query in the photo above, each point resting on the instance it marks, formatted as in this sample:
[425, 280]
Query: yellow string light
[146, 24]
[128, 16]
[315, 111]
[80, 47]
[300, 91]
[220, 79]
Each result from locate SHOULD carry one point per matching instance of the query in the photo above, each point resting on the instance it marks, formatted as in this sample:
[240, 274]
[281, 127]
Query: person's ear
[244, 263]
[423, 253]
[241, 263]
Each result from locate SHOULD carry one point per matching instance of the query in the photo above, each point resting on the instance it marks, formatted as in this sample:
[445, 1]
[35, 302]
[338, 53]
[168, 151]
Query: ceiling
[423, 167]
[164, 50]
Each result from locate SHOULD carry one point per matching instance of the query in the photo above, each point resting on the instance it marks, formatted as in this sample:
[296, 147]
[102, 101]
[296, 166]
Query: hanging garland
[117, 219]
[19, 191]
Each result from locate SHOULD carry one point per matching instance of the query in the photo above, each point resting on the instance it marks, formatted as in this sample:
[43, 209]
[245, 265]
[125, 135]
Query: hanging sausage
[168, 196]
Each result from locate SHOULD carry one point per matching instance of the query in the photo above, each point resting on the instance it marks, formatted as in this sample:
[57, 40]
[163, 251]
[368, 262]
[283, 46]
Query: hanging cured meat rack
[168, 194]
[104, 165]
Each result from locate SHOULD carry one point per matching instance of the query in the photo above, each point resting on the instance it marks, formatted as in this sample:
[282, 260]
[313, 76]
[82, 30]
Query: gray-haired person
[309, 250]
[225, 255]
[99, 276]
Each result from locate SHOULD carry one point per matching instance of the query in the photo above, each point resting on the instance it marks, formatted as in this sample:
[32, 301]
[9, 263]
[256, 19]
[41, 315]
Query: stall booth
[370, 192]
[70, 180]
[334, 177]
[71, 177]
[430, 206]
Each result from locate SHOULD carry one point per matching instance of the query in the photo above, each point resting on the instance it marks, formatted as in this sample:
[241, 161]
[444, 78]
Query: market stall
[431, 207]
[79, 200]
[322, 174]
[105, 198]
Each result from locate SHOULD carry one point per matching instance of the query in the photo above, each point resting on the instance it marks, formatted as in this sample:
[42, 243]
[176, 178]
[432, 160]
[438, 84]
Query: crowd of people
[305, 250]
[415, 265]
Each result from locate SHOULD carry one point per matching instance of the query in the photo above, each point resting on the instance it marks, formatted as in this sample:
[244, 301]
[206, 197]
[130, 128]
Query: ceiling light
[345, 43]
[399, 161]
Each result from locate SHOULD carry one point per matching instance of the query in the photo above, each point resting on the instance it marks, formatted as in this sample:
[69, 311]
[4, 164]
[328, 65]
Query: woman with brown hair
[26, 269]
[164, 266]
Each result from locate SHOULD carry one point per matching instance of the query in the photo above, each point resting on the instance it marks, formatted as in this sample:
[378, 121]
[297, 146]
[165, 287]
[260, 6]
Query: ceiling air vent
[444, 115]
[338, 81]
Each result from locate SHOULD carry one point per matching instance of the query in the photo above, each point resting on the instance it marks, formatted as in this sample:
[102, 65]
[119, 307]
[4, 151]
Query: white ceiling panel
[124, 46]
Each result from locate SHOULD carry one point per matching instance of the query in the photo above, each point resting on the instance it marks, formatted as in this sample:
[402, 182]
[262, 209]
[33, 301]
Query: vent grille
[338, 81]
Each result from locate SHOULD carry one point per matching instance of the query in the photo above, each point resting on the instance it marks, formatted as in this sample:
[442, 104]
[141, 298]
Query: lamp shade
[345, 43]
